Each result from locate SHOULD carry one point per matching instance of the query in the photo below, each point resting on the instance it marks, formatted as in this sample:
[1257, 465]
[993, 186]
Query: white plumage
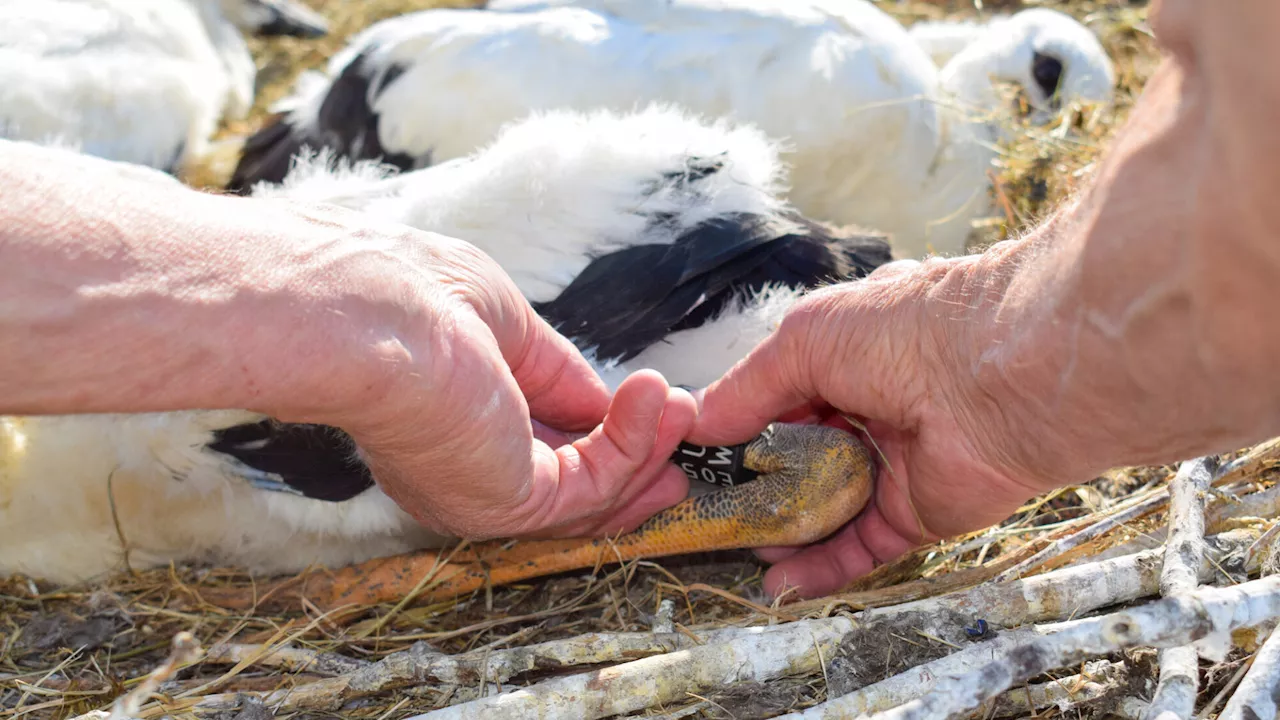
[175, 500]
[944, 39]
[584, 178]
[140, 81]
[876, 134]
[554, 199]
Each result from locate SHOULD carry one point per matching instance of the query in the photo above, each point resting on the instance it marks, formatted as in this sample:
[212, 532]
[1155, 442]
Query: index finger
[770, 381]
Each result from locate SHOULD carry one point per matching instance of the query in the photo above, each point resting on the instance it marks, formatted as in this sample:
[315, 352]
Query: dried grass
[67, 651]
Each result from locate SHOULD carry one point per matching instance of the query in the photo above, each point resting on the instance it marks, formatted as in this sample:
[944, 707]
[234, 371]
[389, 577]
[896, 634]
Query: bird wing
[625, 301]
[315, 461]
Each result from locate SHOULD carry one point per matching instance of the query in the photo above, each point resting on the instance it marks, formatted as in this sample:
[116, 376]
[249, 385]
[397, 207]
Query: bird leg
[811, 480]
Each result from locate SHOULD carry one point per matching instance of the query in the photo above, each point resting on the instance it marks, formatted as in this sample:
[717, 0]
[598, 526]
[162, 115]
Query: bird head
[1057, 61]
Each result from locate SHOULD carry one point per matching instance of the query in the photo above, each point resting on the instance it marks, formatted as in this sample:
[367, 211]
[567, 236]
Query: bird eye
[1047, 72]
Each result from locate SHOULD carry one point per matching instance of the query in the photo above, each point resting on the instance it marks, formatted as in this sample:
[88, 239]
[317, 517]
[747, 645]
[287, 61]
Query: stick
[1054, 595]
[1249, 466]
[663, 622]
[1265, 503]
[1099, 680]
[288, 658]
[183, 650]
[1257, 460]
[1257, 696]
[1175, 696]
[1263, 543]
[422, 664]
[1105, 525]
[757, 657]
[1209, 614]
[757, 654]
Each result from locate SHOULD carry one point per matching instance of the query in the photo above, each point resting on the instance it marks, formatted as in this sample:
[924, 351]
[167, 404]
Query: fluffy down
[875, 134]
[140, 81]
[553, 191]
[561, 191]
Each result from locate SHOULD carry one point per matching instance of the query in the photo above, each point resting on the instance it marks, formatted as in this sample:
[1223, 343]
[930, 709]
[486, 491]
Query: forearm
[1138, 326]
[120, 294]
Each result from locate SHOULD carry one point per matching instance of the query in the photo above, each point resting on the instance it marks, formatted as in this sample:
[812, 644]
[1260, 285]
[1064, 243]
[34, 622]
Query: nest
[65, 652]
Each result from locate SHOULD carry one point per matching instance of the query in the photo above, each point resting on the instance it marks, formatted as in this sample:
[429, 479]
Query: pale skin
[120, 294]
[1135, 326]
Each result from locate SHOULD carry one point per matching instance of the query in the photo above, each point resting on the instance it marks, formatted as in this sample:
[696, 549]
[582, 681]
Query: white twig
[1259, 692]
[1265, 503]
[1262, 543]
[954, 687]
[1099, 679]
[1175, 696]
[1250, 466]
[288, 658]
[757, 654]
[664, 622]
[422, 664]
[1105, 525]
[1254, 462]
[1184, 551]
[183, 650]
[1055, 595]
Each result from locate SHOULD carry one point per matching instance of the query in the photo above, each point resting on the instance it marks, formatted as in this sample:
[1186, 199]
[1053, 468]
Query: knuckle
[540, 369]
[895, 268]
[813, 315]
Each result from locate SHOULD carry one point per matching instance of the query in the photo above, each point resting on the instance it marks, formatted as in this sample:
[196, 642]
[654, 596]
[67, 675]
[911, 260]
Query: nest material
[64, 652]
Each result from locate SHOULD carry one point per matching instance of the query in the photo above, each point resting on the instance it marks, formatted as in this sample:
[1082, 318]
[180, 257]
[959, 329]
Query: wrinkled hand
[880, 351]
[470, 409]
[149, 296]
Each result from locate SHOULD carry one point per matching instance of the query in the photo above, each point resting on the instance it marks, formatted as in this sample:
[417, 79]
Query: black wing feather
[317, 461]
[345, 124]
[628, 300]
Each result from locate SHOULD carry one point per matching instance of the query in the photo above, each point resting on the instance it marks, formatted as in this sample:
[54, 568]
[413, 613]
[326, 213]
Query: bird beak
[292, 19]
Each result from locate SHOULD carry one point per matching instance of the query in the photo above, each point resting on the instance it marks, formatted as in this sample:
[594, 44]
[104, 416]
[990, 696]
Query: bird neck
[970, 74]
[969, 86]
[232, 51]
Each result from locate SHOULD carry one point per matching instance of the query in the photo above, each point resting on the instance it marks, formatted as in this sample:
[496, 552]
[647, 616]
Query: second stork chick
[876, 134]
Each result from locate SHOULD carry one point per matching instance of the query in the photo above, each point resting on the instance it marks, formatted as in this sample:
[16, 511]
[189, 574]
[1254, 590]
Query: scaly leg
[813, 480]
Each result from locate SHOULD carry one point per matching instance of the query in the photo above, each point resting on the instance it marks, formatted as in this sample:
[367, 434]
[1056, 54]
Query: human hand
[891, 352]
[465, 404]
